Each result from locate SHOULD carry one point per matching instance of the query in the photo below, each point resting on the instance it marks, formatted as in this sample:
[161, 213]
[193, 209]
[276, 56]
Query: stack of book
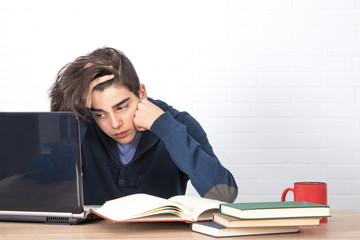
[213, 217]
[259, 218]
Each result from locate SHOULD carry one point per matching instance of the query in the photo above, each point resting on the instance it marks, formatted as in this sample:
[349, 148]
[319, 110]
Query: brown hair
[71, 86]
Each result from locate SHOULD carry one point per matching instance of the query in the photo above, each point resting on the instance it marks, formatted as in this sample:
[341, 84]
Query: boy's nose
[115, 121]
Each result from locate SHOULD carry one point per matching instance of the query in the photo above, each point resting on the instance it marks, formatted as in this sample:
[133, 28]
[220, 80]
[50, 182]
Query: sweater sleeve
[192, 153]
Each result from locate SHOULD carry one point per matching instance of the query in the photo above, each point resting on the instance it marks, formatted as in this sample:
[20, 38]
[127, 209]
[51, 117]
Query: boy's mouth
[121, 134]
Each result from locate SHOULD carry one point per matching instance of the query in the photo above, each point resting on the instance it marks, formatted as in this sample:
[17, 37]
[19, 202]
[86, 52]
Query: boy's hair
[71, 86]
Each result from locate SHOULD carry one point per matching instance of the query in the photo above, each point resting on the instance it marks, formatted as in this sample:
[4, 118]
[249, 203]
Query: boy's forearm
[196, 160]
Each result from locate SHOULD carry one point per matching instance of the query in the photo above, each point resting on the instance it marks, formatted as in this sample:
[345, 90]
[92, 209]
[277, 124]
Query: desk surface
[344, 224]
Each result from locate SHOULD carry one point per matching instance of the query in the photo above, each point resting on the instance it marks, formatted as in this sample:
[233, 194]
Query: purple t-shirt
[127, 151]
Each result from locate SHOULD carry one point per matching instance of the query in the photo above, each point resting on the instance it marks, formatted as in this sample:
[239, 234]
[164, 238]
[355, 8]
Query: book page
[138, 205]
[201, 208]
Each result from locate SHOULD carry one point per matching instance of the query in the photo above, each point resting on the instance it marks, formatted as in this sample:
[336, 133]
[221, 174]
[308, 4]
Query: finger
[101, 79]
[93, 84]
[141, 129]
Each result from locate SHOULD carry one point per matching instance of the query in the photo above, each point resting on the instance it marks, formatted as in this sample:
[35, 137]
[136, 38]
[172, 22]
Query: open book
[147, 208]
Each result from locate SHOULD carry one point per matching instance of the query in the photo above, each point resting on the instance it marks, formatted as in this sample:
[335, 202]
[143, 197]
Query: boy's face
[114, 110]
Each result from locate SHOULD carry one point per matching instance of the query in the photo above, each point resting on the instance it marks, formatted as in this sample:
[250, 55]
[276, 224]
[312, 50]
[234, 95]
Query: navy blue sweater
[175, 150]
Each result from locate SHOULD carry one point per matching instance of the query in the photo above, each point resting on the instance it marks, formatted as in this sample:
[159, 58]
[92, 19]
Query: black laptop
[40, 168]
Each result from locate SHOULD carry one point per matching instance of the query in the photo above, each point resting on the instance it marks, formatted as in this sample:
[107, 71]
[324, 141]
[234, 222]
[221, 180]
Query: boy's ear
[142, 92]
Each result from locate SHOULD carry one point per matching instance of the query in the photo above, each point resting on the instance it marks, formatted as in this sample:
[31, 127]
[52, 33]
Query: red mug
[315, 192]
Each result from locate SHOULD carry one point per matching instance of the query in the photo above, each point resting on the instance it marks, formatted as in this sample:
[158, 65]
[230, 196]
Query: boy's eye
[122, 107]
[99, 115]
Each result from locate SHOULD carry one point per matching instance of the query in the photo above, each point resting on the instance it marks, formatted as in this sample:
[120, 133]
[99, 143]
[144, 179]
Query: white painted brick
[28, 17]
[182, 93]
[260, 33]
[210, 33]
[12, 79]
[341, 17]
[268, 198]
[290, 141]
[340, 187]
[225, 110]
[287, 110]
[307, 17]
[295, 171]
[210, 4]
[340, 110]
[319, 64]
[342, 141]
[284, 17]
[271, 64]
[290, 79]
[245, 33]
[213, 126]
[260, 125]
[356, 157]
[245, 198]
[325, 33]
[342, 79]
[291, 49]
[324, 4]
[274, 18]
[16, 63]
[174, 63]
[261, 4]
[324, 126]
[246, 171]
[205, 63]
[357, 62]
[141, 4]
[341, 201]
[357, 187]
[182, 106]
[321, 156]
[342, 49]
[214, 49]
[342, 171]
[234, 141]
[167, 80]
[273, 95]
[166, 50]
[244, 49]
[43, 4]
[259, 186]
[146, 64]
[22, 95]
[255, 156]
[211, 95]
[225, 79]
[213, 18]
[246, 17]
[190, 190]
[33, 106]
[324, 95]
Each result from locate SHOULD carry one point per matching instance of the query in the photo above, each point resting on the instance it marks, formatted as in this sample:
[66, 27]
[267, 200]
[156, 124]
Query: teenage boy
[132, 143]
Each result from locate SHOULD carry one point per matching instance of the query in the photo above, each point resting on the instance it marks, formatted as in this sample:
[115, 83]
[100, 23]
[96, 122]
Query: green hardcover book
[270, 210]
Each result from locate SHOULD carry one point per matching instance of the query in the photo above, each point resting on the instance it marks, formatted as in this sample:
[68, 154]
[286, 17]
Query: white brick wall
[275, 83]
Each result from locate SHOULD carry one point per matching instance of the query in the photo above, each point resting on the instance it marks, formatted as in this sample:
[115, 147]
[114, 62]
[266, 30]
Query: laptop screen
[40, 167]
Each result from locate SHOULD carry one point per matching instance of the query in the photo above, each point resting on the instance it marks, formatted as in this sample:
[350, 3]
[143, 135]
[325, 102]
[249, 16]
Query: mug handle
[283, 196]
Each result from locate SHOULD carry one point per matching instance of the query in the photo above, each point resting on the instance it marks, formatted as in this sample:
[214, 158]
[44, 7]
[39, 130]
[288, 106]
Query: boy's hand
[93, 84]
[146, 114]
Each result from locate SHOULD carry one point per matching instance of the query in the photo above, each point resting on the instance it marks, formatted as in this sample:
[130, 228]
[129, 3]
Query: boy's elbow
[223, 192]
